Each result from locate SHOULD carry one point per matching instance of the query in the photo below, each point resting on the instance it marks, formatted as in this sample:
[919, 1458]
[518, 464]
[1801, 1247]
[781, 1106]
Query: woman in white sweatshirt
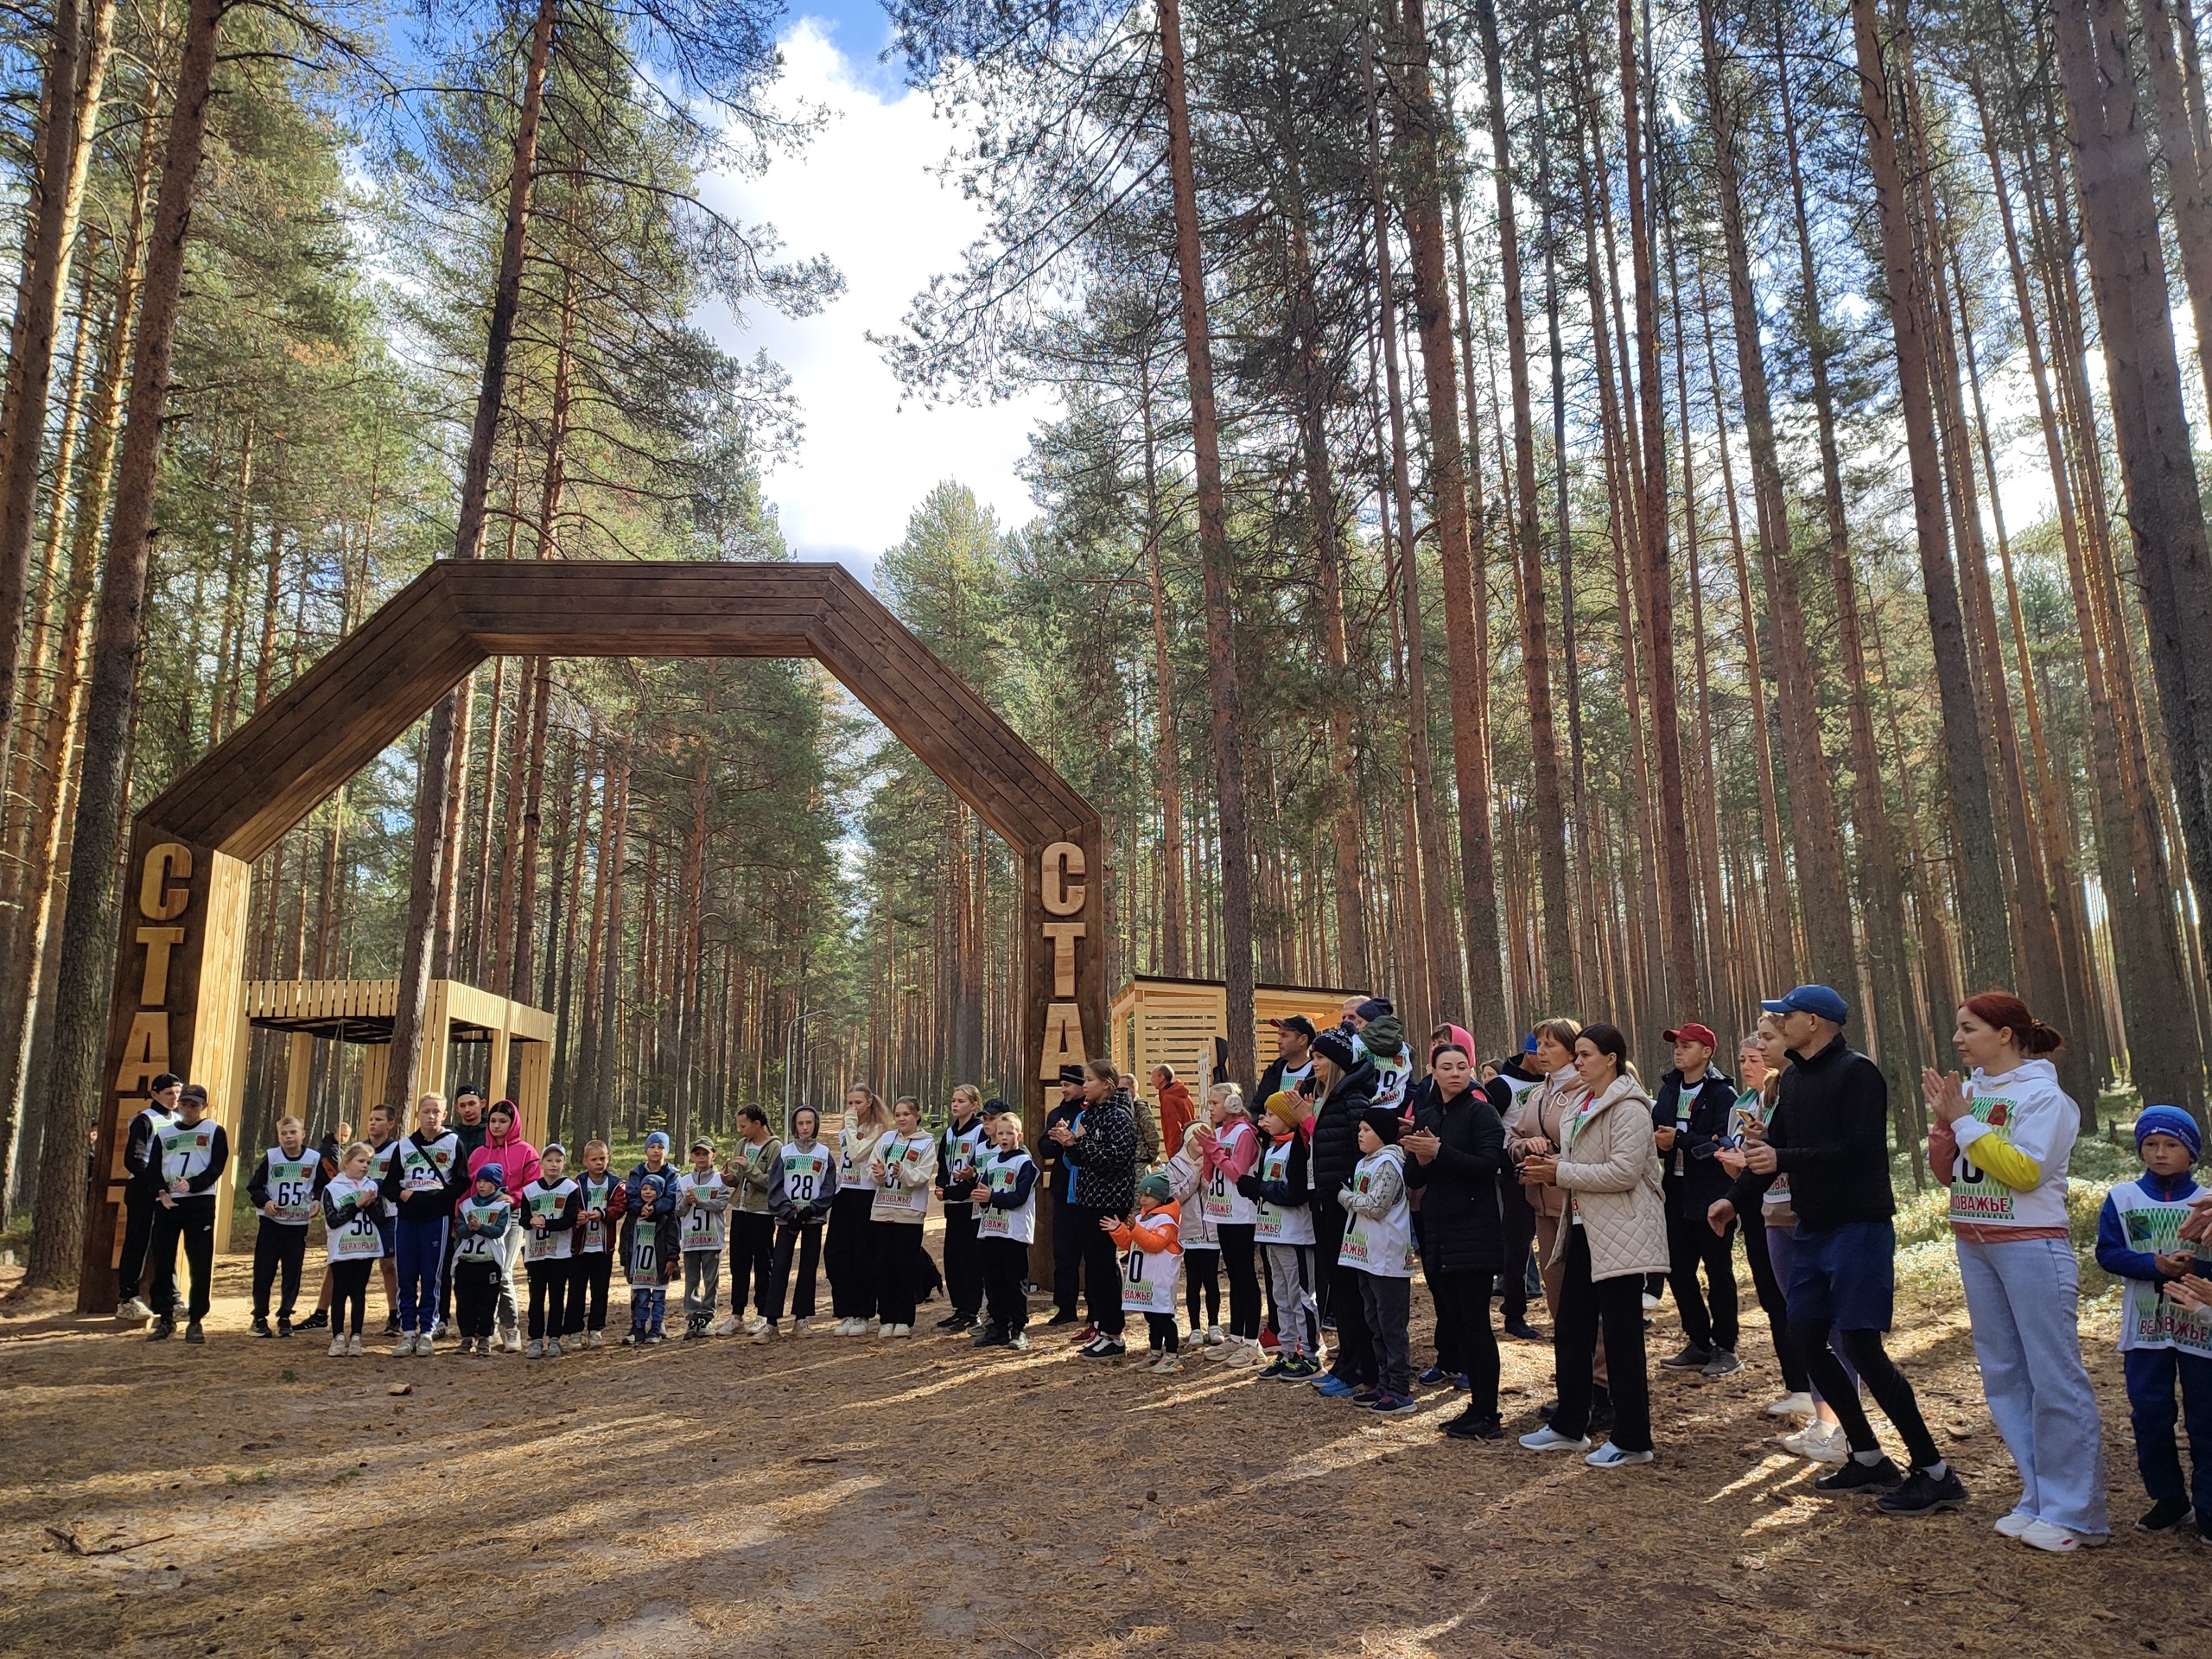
[2000, 1138]
[849, 1250]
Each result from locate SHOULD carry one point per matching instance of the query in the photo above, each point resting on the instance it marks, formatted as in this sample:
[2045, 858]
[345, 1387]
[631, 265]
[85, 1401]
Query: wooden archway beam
[194, 845]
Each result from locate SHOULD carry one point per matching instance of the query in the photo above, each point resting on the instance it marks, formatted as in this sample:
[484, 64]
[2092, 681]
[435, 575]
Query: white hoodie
[2027, 1110]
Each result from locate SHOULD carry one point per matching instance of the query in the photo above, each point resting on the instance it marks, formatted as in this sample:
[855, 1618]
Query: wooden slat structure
[180, 944]
[1156, 1020]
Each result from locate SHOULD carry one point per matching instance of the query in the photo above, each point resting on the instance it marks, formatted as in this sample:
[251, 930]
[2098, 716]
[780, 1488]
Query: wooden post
[536, 1090]
[437, 1043]
[176, 1007]
[299, 1072]
[376, 1070]
[496, 1081]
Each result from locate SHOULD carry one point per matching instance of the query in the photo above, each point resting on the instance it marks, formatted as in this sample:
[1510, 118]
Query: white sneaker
[514, 1339]
[854, 1328]
[354, 1349]
[2012, 1525]
[1243, 1352]
[136, 1309]
[425, 1345]
[553, 1349]
[2042, 1534]
[1650, 1303]
[885, 1333]
[338, 1346]
[725, 1327]
[1819, 1442]
[1799, 1404]
[1609, 1456]
[596, 1340]
[765, 1333]
[1548, 1439]
[537, 1350]
[803, 1328]
[1214, 1338]
[405, 1346]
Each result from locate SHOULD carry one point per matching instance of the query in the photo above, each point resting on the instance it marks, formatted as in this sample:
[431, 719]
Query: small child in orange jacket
[1152, 1262]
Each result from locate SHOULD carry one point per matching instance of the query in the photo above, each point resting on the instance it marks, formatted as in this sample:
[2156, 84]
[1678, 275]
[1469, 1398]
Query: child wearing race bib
[353, 1243]
[1201, 1245]
[188, 1156]
[2000, 1140]
[848, 1250]
[1278, 1184]
[479, 1224]
[649, 1252]
[960, 1147]
[1005, 1226]
[702, 1226]
[282, 1188]
[549, 1206]
[1152, 1261]
[425, 1178]
[384, 1146]
[2165, 1334]
[1231, 1146]
[804, 1186]
[1379, 1246]
[752, 1174]
[599, 1219]
[904, 1170]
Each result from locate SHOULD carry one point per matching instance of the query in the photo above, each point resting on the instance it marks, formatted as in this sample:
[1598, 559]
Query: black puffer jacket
[1105, 1156]
[1336, 1128]
[1460, 1230]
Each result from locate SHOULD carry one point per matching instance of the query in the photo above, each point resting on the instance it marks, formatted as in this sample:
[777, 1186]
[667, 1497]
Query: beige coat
[1542, 1111]
[1611, 1175]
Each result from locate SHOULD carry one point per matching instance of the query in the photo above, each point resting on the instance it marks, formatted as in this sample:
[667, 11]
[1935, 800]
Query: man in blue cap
[1829, 1134]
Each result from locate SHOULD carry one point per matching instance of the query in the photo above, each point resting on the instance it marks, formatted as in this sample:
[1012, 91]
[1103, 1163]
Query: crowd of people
[1353, 1169]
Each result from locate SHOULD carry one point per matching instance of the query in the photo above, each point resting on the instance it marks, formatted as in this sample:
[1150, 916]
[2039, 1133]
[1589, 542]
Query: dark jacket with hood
[1336, 1129]
[1703, 1178]
[1459, 1229]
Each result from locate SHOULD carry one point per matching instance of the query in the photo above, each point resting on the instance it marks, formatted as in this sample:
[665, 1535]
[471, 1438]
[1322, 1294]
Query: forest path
[840, 1496]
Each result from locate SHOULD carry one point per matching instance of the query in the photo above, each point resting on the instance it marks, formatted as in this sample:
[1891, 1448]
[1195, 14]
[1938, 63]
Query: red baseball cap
[1693, 1033]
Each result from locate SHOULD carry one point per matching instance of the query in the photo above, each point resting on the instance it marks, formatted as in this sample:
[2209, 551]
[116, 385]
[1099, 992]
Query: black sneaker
[1723, 1364]
[1061, 1318]
[1548, 1410]
[1522, 1330]
[1923, 1494]
[284, 1327]
[391, 1325]
[318, 1321]
[990, 1337]
[1692, 1358]
[948, 1322]
[1434, 1377]
[1469, 1426]
[2164, 1516]
[959, 1322]
[261, 1329]
[162, 1329]
[1601, 1411]
[1103, 1347]
[1881, 1476]
[194, 1334]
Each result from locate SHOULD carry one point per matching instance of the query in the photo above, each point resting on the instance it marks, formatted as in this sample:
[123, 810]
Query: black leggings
[1774, 1302]
[548, 1296]
[1244, 1278]
[1463, 1299]
[349, 1293]
[1585, 1306]
[1883, 1381]
[850, 1254]
[898, 1269]
[590, 1275]
[1202, 1287]
[1160, 1327]
[806, 1239]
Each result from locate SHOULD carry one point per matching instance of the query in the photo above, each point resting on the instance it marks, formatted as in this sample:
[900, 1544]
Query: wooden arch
[181, 932]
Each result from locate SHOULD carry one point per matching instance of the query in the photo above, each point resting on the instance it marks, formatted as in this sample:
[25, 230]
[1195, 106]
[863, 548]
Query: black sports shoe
[284, 1327]
[1469, 1426]
[1694, 1357]
[2164, 1516]
[1548, 1410]
[948, 1322]
[318, 1321]
[960, 1322]
[391, 1325]
[1857, 1477]
[1923, 1494]
[161, 1330]
[261, 1329]
[1104, 1347]
[1522, 1330]
[194, 1334]
[1061, 1318]
[1601, 1411]
[990, 1336]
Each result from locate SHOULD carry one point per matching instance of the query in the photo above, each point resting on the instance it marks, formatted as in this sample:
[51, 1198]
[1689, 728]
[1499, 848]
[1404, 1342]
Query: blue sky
[864, 194]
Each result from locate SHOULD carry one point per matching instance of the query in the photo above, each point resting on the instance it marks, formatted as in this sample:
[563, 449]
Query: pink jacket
[1237, 1164]
[516, 1157]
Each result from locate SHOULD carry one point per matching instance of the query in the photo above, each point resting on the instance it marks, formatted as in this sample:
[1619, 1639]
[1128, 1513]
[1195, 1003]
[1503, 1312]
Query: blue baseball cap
[1816, 999]
[2170, 1120]
[1529, 1044]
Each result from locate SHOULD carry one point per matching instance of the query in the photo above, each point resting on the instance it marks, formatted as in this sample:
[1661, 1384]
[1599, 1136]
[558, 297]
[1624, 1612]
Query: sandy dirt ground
[832, 1496]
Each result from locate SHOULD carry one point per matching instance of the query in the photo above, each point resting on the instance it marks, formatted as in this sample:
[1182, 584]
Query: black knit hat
[1335, 1047]
[1385, 1121]
[1071, 1074]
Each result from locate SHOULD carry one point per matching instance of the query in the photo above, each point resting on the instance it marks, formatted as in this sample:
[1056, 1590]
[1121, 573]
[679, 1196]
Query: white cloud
[862, 193]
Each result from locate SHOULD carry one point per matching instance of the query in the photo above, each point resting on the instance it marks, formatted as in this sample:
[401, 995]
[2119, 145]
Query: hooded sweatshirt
[2005, 1161]
[515, 1155]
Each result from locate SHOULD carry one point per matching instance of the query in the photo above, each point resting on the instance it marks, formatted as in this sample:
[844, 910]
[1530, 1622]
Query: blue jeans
[2023, 1298]
[2151, 1375]
[421, 1259]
